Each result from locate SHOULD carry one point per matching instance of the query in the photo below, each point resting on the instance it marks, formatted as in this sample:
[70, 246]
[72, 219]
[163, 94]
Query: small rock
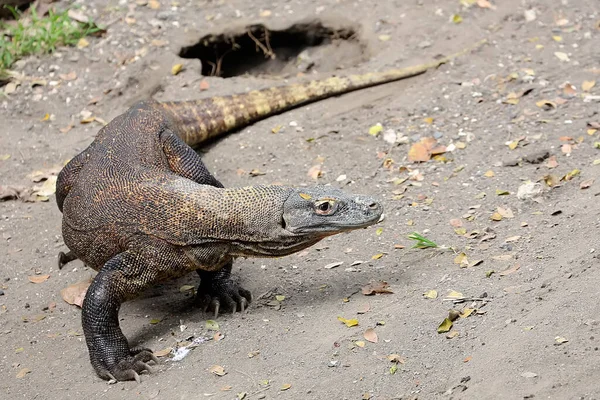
[1, 292]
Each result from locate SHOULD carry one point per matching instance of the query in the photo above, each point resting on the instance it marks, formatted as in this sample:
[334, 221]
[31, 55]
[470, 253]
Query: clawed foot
[222, 295]
[129, 368]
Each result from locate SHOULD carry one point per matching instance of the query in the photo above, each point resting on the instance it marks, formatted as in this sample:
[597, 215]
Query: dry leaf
[315, 171]
[360, 343]
[217, 370]
[489, 174]
[204, 85]
[38, 278]
[509, 271]
[562, 56]
[505, 212]
[363, 309]
[569, 89]
[552, 163]
[74, 294]
[588, 85]
[164, 352]
[154, 4]
[21, 374]
[376, 287]
[431, 294]
[375, 129]
[586, 184]
[286, 386]
[455, 222]
[370, 335]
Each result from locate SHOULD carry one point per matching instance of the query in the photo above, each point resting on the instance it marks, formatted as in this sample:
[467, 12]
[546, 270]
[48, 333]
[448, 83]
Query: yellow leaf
[155, 321]
[460, 145]
[349, 322]
[496, 217]
[360, 343]
[431, 294]
[466, 312]
[384, 38]
[445, 326]
[457, 19]
[82, 43]
[572, 174]
[212, 325]
[455, 295]
[175, 69]
[501, 192]
[377, 256]
[513, 144]
[460, 259]
[511, 101]
[591, 131]
[46, 117]
[286, 386]
[375, 129]
[276, 129]
[557, 38]
[428, 120]
[489, 174]
[588, 85]
[379, 231]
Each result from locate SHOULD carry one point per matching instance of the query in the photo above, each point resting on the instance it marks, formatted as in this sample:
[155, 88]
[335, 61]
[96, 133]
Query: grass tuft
[39, 35]
[422, 242]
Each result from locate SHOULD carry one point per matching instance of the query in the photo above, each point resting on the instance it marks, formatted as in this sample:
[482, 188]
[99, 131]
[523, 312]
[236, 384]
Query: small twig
[466, 299]
[266, 51]
[268, 43]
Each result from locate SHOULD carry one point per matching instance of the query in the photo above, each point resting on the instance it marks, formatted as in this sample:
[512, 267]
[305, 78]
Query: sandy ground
[534, 329]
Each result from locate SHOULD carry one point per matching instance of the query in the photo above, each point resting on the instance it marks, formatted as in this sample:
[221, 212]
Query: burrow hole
[259, 51]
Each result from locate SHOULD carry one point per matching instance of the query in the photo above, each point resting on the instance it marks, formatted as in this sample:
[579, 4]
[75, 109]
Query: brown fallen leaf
[552, 163]
[217, 370]
[21, 374]
[75, 293]
[315, 172]
[511, 270]
[38, 278]
[164, 352]
[204, 85]
[370, 335]
[376, 287]
[586, 184]
[588, 85]
[363, 309]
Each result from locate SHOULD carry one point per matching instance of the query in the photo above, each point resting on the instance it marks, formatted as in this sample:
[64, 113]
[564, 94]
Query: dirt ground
[534, 331]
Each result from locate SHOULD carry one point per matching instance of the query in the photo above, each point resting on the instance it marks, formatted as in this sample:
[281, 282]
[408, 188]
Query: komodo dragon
[140, 207]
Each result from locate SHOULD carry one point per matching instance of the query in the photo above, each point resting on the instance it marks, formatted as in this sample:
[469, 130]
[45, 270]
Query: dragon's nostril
[373, 205]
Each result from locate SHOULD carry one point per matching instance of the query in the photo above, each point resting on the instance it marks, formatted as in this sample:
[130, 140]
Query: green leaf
[212, 325]
[445, 326]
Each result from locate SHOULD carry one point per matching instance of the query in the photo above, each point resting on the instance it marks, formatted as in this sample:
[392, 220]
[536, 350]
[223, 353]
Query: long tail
[201, 120]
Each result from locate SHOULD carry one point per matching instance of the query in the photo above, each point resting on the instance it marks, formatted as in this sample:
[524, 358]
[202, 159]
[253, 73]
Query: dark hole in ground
[258, 50]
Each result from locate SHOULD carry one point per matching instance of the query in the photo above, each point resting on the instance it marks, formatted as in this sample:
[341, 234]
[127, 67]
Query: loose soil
[535, 331]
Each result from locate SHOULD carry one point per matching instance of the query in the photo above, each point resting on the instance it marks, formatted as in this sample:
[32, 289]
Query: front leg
[110, 354]
[217, 289]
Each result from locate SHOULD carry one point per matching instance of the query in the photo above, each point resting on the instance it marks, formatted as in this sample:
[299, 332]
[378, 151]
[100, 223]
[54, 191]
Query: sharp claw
[242, 305]
[216, 305]
[137, 377]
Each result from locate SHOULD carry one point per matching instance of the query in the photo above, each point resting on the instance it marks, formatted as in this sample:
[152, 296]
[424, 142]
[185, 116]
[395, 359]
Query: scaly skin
[140, 207]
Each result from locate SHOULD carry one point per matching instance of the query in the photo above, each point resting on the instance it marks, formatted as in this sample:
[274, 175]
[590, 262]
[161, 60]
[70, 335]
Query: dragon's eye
[325, 207]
